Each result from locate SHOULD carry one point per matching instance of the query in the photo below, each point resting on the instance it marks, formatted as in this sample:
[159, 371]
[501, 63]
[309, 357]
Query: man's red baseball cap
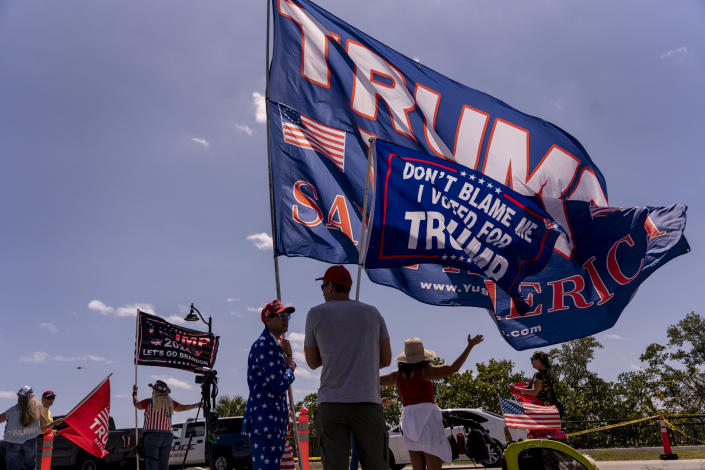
[338, 275]
[274, 307]
[48, 394]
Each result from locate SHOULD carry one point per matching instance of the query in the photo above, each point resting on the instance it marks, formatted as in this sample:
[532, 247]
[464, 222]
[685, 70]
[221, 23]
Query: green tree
[464, 390]
[583, 393]
[674, 370]
[230, 406]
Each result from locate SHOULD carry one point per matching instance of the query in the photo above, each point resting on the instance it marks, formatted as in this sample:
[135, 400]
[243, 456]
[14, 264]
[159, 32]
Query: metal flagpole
[371, 155]
[292, 413]
[269, 162]
[137, 433]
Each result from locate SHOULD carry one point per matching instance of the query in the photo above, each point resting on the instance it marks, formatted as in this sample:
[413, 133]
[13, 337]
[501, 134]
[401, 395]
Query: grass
[640, 454]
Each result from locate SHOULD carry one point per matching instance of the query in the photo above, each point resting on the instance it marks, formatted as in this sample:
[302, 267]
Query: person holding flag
[541, 384]
[157, 424]
[24, 423]
[270, 372]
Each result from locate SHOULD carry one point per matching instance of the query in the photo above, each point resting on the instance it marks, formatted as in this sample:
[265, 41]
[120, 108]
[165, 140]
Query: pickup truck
[230, 449]
[66, 454]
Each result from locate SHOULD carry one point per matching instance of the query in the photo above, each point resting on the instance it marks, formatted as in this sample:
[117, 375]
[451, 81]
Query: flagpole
[273, 222]
[269, 162]
[87, 396]
[137, 432]
[371, 155]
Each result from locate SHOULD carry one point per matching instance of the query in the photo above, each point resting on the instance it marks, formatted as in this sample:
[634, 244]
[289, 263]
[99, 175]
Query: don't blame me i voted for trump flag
[332, 87]
[432, 210]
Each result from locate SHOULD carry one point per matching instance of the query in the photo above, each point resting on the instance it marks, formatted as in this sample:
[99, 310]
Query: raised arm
[187, 407]
[3, 417]
[438, 372]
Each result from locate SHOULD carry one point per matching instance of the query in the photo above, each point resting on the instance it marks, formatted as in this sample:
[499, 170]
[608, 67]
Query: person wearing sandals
[421, 420]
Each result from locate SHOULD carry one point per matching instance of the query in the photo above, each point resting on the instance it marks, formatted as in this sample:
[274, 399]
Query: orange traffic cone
[667, 454]
[302, 429]
[47, 449]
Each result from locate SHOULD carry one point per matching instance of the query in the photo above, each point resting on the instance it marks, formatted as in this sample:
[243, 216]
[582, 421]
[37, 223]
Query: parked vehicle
[229, 448]
[459, 421]
[120, 446]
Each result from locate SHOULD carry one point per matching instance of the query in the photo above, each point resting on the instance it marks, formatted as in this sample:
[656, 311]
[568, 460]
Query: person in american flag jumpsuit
[270, 372]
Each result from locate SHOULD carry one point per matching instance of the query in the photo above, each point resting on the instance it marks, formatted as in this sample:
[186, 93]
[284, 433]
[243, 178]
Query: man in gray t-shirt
[350, 340]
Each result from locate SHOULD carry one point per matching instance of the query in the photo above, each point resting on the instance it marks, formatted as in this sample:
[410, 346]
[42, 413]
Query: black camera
[207, 377]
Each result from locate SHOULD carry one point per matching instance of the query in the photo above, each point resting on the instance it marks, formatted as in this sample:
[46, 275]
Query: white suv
[491, 422]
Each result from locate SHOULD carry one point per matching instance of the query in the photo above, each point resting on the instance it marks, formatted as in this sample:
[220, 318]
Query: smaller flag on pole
[529, 416]
[88, 421]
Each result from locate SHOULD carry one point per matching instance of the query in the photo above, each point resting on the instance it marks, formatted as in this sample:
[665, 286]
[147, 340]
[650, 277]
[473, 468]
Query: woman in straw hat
[421, 420]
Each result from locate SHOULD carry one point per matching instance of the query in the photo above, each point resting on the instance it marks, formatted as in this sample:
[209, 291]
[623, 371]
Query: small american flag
[528, 416]
[304, 132]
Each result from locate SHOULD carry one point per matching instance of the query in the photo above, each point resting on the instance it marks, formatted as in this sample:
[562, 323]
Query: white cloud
[558, 105]
[244, 129]
[201, 141]
[84, 357]
[175, 319]
[235, 314]
[50, 327]
[121, 395]
[36, 356]
[9, 395]
[130, 310]
[232, 299]
[260, 107]
[254, 309]
[296, 339]
[635, 367]
[261, 240]
[675, 54]
[613, 336]
[173, 382]
[100, 307]
[303, 373]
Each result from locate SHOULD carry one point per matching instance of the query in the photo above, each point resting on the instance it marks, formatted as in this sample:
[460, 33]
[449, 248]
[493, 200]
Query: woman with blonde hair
[24, 423]
[421, 420]
[157, 424]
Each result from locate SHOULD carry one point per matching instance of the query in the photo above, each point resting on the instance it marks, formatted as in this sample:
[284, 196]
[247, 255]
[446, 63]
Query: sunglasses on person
[50, 397]
[324, 284]
[282, 316]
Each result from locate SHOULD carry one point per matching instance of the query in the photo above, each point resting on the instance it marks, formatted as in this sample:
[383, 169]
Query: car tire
[453, 447]
[392, 464]
[495, 452]
[222, 462]
[89, 462]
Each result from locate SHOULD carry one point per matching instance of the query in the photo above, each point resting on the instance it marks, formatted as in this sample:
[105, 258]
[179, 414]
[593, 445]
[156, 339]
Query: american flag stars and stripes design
[156, 420]
[528, 416]
[304, 132]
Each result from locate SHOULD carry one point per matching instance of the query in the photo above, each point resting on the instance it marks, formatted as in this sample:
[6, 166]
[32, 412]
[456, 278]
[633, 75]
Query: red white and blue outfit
[265, 421]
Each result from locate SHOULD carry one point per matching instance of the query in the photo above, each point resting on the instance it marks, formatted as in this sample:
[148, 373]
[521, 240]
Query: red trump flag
[88, 421]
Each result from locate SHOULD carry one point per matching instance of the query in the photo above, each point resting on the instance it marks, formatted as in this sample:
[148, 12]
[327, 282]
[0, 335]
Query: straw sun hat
[414, 352]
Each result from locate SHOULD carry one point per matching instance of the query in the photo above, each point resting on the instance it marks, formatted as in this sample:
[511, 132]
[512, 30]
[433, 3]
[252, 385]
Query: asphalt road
[691, 464]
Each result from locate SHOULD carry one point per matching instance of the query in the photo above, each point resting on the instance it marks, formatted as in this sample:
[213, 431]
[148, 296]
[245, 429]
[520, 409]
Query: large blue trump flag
[333, 87]
[432, 210]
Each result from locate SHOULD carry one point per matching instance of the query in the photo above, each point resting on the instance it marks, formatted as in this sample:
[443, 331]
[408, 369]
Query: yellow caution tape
[668, 423]
[577, 433]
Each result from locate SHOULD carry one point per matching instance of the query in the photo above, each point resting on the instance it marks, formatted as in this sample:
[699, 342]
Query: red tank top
[414, 390]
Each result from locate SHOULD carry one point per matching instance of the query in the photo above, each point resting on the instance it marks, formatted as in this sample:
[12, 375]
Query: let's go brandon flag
[163, 344]
[332, 87]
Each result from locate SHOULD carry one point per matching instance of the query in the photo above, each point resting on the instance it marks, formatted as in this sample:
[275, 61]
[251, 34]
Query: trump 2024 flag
[529, 416]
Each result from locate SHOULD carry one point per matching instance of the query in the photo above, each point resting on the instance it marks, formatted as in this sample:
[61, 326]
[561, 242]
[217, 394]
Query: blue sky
[134, 172]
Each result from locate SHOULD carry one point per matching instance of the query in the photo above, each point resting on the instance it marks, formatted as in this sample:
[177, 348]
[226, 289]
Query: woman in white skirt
[421, 420]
